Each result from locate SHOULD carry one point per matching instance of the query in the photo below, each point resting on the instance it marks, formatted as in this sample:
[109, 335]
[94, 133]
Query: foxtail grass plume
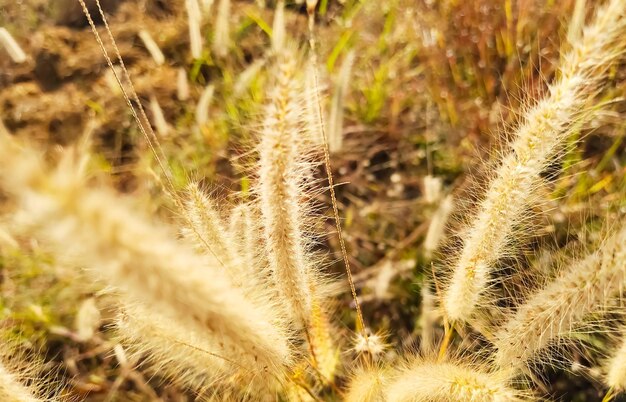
[158, 118]
[284, 170]
[432, 189]
[194, 19]
[221, 35]
[554, 311]
[323, 347]
[616, 366]
[173, 349]
[204, 103]
[367, 384]
[247, 76]
[314, 101]
[199, 361]
[137, 257]
[153, 48]
[22, 375]
[182, 86]
[206, 6]
[278, 28]
[437, 226]
[11, 390]
[449, 382]
[577, 22]
[205, 226]
[429, 316]
[244, 230]
[539, 138]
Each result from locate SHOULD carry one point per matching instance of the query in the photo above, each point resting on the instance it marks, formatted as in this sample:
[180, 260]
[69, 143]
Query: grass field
[198, 253]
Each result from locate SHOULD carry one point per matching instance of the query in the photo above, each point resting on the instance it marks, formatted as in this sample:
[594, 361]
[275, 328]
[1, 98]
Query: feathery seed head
[449, 382]
[139, 258]
[370, 344]
[539, 139]
[554, 311]
[278, 27]
[284, 173]
[190, 356]
[616, 367]
[367, 384]
[221, 36]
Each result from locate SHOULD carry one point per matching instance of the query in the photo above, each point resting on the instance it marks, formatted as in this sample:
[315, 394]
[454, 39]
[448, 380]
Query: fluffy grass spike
[11, 390]
[449, 382]
[616, 367]
[552, 313]
[335, 120]
[205, 226]
[221, 35]
[538, 139]
[326, 354]
[284, 169]
[186, 356]
[142, 260]
[367, 384]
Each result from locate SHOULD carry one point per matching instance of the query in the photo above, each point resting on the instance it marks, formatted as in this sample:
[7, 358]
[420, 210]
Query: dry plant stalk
[538, 140]
[197, 360]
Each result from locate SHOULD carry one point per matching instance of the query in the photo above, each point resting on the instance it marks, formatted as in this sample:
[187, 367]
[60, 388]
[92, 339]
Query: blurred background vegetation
[429, 101]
